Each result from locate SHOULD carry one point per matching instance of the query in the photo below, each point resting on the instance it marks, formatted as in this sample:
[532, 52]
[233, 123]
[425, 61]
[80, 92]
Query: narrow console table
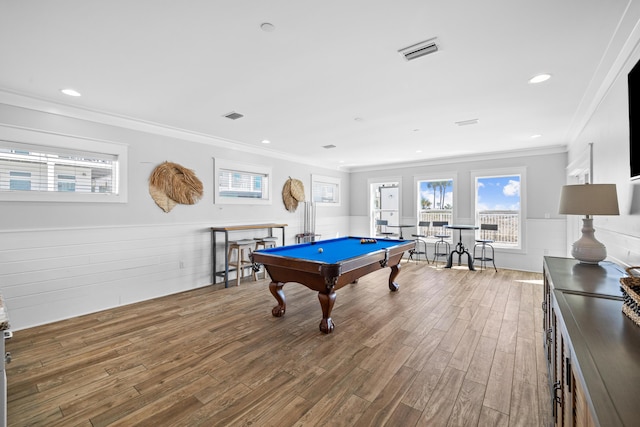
[225, 230]
[592, 348]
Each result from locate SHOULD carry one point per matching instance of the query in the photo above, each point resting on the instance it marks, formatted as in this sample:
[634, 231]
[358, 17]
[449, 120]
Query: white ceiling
[330, 72]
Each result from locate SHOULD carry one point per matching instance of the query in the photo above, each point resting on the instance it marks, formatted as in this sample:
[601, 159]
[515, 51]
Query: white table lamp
[588, 200]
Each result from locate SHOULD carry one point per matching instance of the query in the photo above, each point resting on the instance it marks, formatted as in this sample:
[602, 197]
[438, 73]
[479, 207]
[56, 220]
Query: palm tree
[433, 186]
[443, 190]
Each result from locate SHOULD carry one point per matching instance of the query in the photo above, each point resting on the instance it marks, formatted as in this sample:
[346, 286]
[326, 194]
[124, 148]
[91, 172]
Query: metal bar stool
[484, 245]
[242, 248]
[441, 247]
[420, 242]
[382, 223]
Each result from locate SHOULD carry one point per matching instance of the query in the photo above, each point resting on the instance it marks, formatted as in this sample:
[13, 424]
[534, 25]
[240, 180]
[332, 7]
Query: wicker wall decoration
[630, 287]
[170, 184]
[292, 193]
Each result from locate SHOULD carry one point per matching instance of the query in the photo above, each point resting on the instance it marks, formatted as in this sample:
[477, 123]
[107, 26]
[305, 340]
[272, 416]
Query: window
[435, 199]
[39, 166]
[499, 200]
[20, 181]
[325, 190]
[239, 183]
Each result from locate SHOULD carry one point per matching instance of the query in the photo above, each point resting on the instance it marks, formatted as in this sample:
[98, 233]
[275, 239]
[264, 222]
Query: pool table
[327, 265]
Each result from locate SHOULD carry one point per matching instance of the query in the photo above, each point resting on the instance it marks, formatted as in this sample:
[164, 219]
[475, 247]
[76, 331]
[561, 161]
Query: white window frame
[328, 180]
[224, 164]
[69, 143]
[486, 173]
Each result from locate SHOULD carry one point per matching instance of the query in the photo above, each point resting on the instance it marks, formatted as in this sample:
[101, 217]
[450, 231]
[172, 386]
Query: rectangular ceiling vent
[467, 122]
[420, 49]
[233, 115]
[328, 147]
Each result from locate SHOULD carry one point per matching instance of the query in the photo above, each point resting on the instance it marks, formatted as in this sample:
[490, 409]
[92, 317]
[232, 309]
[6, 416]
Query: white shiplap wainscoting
[53, 274]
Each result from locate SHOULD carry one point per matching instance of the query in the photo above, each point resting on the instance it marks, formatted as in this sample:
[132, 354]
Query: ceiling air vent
[233, 115]
[467, 122]
[420, 49]
[329, 146]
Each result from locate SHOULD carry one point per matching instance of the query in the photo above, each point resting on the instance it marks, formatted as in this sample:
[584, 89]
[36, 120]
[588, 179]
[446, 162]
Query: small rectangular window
[325, 190]
[41, 166]
[20, 181]
[239, 183]
[244, 185]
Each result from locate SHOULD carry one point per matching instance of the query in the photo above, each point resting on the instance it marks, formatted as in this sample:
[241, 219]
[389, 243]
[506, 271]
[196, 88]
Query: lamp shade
[589, 199]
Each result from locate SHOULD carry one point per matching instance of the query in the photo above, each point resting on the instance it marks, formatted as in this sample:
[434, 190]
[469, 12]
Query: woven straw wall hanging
[170, 184]
[292, 193]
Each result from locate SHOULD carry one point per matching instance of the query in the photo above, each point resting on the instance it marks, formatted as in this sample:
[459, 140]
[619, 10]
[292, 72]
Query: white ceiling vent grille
[467, 122]
[233, 115]
[419, 49]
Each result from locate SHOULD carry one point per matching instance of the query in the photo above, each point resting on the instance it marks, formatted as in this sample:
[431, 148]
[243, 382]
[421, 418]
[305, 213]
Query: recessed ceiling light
[266, 141]
[70, 92]
[418, 151]
[540, 78]
[267, 27]
[537, 135]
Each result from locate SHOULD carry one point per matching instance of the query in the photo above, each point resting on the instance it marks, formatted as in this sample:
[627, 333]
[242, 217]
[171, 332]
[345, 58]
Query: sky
[494, 193]
[499, 193]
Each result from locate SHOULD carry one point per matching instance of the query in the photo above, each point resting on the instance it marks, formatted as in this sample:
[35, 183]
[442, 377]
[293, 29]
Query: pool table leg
[326, 302]
[395, 270]
[278, 294]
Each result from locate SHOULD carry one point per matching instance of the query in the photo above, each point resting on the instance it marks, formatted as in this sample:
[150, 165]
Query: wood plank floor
[450, 348]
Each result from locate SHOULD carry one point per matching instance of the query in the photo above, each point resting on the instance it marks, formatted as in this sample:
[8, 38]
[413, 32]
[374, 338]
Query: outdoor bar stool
[382, 223]
[484, 245]
[242, 249]
[420, 242]
[441, 247]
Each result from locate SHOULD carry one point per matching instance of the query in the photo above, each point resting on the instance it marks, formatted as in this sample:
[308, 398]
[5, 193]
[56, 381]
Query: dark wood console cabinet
[592, 349]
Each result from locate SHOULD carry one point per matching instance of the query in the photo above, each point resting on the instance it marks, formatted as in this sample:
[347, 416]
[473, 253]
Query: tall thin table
[460, 249]
[226, 230]
[401, 226]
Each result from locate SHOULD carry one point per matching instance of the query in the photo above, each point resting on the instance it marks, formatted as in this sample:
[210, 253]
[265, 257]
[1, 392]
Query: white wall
[59, 260]
[544, 229]
[608, 130]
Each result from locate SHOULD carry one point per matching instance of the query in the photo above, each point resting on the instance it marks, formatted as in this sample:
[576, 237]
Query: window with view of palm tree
[435, 200]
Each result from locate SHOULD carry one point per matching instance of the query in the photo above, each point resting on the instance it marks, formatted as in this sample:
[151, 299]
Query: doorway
[384, 204]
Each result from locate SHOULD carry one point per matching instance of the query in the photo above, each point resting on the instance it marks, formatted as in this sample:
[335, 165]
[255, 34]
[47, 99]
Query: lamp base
[587, 249]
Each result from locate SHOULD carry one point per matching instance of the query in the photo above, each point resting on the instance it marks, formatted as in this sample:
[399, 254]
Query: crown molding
[30, 102]
[552, 149]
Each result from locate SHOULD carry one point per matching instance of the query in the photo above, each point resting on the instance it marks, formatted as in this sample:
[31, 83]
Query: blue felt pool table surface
[333, 251]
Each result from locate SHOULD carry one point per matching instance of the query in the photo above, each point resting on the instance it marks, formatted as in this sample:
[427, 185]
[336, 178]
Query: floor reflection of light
[532, 281]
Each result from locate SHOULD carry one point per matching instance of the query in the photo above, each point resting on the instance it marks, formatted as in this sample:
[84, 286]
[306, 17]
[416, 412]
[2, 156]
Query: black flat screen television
[634, 121]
